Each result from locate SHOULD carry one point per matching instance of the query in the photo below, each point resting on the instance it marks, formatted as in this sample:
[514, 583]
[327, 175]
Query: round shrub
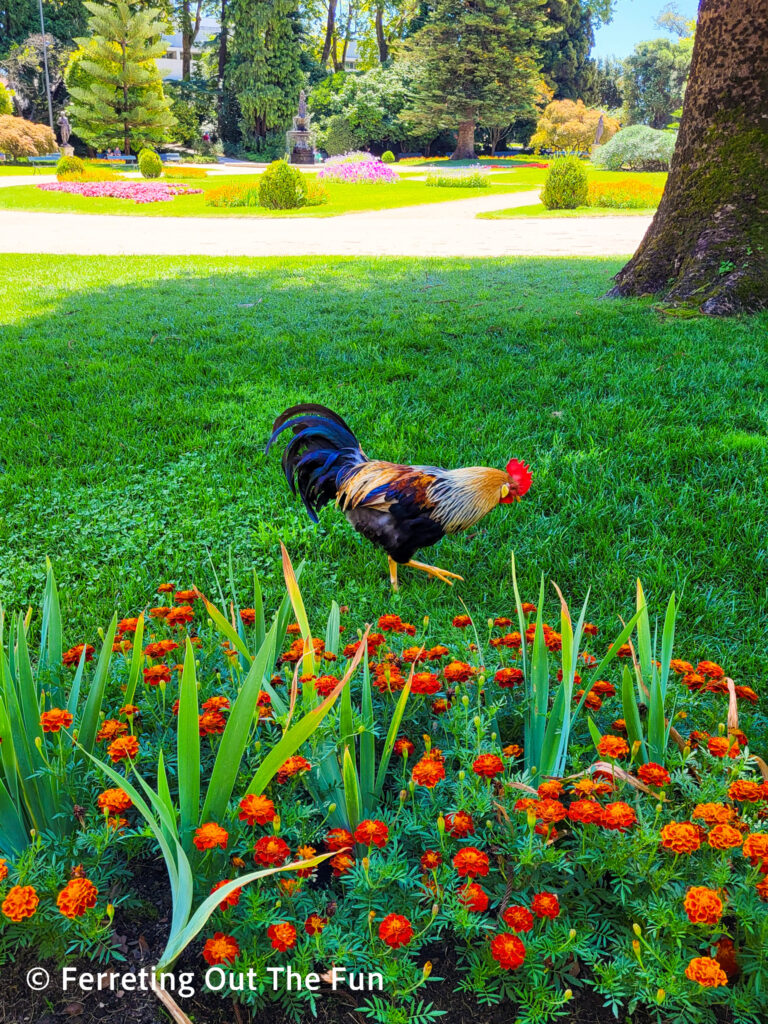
[637, 148]
[566, 185]
[69, 165]
[150, 164]
[282, 187]
[388, 157]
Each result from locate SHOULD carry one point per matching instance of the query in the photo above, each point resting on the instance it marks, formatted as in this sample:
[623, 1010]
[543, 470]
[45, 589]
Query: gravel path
[439, 229]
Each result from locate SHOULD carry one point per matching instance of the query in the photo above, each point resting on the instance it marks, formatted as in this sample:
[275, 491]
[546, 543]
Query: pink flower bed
[138, 191]
[370, 171]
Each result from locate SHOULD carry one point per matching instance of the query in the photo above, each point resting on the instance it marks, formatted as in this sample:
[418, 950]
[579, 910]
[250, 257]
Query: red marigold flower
[653, 774]
[114, 801]
[726, 956]
[77, 896]
[271, 851]
[315, 924]
[179, 616]
[425, 683]
[588, 812]
[604, 688]
[165, 588]
[372, 832]
[703, 905]
[762, 890]
[545, 904]
[458, 672]
[159, 612]
[746, 791]
[338, 839]
[431, 860]
[185, 596]
[256, 809]
[221, 949]
[508, 951]
[229, 901]
[428, 772]
[395, 931]
[3, 869]
[550, 789]
[710, 669]
[55, 720]
[549, 812]
[129, 710]
[618, 816]
[513, 750]
[403, 747]
[20, 901]
[156, 674]
[519, 919]
[127, 626]
[462, 621]
[123, 748]
[459, 824]
[210, 835]
[248, 616]
[217, 703]
[211, 723]
[488, 766]
[746, 693]
[474, 897]
[589, 629]
[325, 685]
[470, 862]
[755, 848]
[613, 746]
[440, 706]
[110, 729]
[706, 972]
[681, 667]
[502, 621]
[681, 837]
[506, 678]
[342, 863]
[73, 655]
[513, 641]
[390, 623]
[292, 767]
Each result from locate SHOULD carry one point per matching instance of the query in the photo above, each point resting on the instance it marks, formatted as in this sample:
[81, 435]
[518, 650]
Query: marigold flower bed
[138, 191]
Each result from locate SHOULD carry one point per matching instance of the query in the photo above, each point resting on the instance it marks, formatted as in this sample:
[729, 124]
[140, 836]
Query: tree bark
[330, 26]
[381, 40]
[708, 243]
[465, 142]
[189, 30]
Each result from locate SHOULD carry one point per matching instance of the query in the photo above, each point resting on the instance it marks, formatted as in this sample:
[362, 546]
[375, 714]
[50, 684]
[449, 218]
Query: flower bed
[358, 168]
[632, 194]
[138, 191]
[409, 779]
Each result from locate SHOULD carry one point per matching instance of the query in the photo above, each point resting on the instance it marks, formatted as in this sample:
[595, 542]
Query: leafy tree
[569, 127]
[636, 148]
[565, 61]
[474, 63]
[654, 81]
[24, 69]
[264, 65]
[19, 19]
[606, 88]
[117, 93]
[6, 100]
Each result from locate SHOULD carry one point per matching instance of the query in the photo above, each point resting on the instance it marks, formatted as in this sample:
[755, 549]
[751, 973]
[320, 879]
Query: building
[170, 64]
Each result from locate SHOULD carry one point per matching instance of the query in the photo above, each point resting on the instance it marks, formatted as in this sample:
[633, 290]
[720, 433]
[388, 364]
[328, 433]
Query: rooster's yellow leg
[392, 572]
[436, 571]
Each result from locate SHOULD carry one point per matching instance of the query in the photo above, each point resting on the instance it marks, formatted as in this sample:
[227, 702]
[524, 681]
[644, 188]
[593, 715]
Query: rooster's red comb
[521, 474]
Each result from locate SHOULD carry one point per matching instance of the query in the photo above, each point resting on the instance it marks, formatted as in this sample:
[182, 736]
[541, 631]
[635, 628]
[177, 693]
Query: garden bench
[49, 158]
[131, 159]
[170, 158]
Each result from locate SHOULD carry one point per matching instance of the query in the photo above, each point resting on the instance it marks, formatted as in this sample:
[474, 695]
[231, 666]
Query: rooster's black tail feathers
[320, 456]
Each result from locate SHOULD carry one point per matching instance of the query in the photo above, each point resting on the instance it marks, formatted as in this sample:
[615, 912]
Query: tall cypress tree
[264, 66]
[565, 59]
[117, 91]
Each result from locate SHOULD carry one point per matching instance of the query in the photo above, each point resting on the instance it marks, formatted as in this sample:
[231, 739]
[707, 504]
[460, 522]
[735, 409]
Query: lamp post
[45, 65]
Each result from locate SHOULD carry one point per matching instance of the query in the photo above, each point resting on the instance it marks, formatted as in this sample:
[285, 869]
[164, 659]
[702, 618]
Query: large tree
[654, 81]
[708, 243]
[474, 63]
[565, 59]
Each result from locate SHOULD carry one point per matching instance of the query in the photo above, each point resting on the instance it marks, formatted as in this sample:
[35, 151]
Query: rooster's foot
[436, 571]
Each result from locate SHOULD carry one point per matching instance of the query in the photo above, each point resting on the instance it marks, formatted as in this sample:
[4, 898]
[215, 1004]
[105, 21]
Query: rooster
[398, 508]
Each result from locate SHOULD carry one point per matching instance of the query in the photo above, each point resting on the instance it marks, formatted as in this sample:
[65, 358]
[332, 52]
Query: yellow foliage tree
[19, 137]
[571, 127]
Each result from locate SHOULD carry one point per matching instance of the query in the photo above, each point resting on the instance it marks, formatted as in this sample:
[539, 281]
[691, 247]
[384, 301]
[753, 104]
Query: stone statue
[65, 129]
[302, 106]
[298, 140]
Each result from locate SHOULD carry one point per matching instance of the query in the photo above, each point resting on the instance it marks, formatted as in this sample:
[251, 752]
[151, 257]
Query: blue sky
[632, 22]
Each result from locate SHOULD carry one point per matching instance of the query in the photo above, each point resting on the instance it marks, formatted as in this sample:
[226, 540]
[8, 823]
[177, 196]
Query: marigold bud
[635, 748]
[568, 994]
[465, 701]
[100, 631]
[110, 911]
[721, 728]
[366, 862]
[403, 796]
[426, 621]
[462, 775]
[637, 929]
[476, 721]
[371, 914]
[531, 816]
[441, 824]
[572, 933]
[427, 741]
[661, 995]
[331, 808]
[276, 824]
[427, 969]
[490, 623]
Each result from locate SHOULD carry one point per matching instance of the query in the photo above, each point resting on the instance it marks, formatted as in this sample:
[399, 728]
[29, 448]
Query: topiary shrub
[282, 187]
[566, 185]
[637, 148]
[388, 157]
[150, 164]
[69, 165]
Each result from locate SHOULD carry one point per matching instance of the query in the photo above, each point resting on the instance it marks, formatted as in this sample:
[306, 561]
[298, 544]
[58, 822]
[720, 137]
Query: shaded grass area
[139, 394]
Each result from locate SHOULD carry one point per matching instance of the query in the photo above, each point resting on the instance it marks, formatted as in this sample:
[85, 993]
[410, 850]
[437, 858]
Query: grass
[343, 199]
[139, 393]
[539, 210]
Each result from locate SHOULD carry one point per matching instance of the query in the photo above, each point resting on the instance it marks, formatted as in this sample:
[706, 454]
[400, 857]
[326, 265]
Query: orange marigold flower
[217, 703]
[549, 811]
[488, 766]
[502, 621]
[462, 621]
[703, 905]
[73, 655]
[159, 612]
[271, 851]
[436, 653]
[755, 848]
[545, 904]
[256, 809]
[593, 701]
[210, 835]
[3, 869]
[723, 746]
[165, 588]
[325, 685]
[315, 924]
[508, 951]
[714, 814]
[604, 688]
[706, 972]
[762, 890]
[588, 812]
[550, 789]
[292, 767]
[338, 839]
[55, 720]
[458, 672]
[589, 629]
[620, 726]
[506, 678]
[613, 746]
[114, 801]
[185, 596]
[21, 901]
[746, 791]
[129, 710]
[111, 729]
[746, 693]
[513, 641]
[459, 825]
[470, 862]
[653, 774]
[724, 837]
[431, 860]
[181, 615]
[160, 648]
[221, 949]
[681, 667]
[123, 748]
[77, 896]
[681, 837]
[519, 919]
[372, 832]
[425, 683]
[342, 863]
[211, 723]
[304, 852]
[440, 706]
[710, 669]
[248, 616]
[127, 625]
[395, 931]
[513, 750]
[428, 772]
[156, 674]
[229, 901]
[390, 623]
[474, 897]
[403, 747]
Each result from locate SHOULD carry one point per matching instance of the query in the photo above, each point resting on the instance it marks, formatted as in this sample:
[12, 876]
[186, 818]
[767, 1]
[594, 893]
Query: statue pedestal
[67, 150]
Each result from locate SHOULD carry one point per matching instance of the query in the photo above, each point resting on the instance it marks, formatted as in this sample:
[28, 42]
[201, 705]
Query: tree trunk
[708, 243]
[189, 30]
[465, 143]
[381, 41]
[330, 26]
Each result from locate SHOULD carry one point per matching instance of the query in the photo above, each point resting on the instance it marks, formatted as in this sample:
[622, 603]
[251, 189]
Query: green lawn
[342, 199]
[539, 210]
[139, 393]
